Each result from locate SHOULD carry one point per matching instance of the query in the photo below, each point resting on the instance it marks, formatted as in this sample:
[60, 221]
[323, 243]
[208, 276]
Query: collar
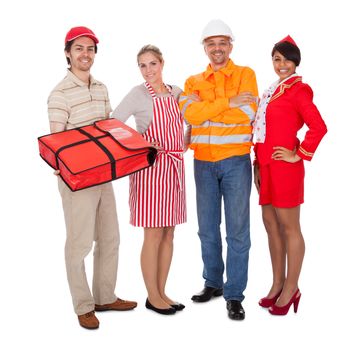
[227, 70]
[285, 84]
[286, 81]
[74, 79]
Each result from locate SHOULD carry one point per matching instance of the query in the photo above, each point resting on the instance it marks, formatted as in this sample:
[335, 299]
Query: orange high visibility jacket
[218, 131]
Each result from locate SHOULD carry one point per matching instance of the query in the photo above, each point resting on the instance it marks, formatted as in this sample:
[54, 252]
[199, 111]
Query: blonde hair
[150, 48]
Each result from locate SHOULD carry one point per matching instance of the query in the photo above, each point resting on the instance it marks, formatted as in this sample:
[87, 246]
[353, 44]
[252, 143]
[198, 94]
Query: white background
[36, 308]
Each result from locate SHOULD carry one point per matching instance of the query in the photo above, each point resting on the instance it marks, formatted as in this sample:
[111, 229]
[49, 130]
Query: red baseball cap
[77, 32]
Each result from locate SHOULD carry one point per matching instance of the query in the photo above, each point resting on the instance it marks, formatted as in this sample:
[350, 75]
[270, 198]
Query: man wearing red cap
[90, 214]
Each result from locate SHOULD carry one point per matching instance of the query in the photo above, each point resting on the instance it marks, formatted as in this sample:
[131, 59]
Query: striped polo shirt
[74, 103]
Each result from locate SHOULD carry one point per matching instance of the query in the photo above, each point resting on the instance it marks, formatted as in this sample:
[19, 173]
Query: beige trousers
[90, 216]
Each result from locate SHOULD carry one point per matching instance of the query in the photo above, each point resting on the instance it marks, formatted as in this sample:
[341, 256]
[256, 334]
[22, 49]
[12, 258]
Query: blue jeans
[231, 179]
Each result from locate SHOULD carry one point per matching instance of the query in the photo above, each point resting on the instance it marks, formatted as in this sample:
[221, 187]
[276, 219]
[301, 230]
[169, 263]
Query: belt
[176, 158]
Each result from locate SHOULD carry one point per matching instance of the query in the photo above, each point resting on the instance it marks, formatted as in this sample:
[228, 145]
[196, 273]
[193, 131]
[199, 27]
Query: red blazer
[291, 107]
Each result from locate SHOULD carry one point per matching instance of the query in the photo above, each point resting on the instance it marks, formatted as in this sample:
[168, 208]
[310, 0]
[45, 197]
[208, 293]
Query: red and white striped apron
[157, 195]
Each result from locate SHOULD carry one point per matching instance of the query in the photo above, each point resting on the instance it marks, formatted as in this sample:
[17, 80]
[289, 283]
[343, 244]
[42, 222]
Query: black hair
[68, 46]
[289, 51]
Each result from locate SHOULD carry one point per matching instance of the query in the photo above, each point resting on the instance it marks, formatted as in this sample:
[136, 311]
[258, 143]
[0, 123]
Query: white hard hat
[216, 27]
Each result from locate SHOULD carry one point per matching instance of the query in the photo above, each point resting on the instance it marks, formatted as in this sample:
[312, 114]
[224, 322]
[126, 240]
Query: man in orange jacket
[220, 105]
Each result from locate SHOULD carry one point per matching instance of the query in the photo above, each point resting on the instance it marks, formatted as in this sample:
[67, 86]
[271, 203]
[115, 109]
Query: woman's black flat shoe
[169, 311]
[178, 306]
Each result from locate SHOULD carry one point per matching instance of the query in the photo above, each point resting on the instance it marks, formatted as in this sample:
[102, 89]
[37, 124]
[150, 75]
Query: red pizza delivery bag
[96, 153]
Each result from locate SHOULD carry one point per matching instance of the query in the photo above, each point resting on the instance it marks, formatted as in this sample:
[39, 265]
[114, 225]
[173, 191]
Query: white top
[138, 102]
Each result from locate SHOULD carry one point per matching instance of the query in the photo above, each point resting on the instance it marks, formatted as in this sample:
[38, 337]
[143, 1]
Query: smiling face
[81, 54]
[283, 67]
[218, 49]
[151, 68]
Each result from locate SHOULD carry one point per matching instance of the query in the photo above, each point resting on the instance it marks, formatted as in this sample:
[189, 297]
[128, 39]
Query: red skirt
[282, 184]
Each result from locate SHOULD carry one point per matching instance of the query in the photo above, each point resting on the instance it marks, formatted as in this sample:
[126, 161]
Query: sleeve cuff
[303, 154]
[58, 119]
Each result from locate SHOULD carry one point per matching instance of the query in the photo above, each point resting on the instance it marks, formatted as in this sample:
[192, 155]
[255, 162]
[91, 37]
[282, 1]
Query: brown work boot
[88, 320]
[118, 305]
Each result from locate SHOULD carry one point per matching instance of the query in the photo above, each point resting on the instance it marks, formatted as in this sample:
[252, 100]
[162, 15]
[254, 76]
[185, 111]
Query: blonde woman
[157, 195]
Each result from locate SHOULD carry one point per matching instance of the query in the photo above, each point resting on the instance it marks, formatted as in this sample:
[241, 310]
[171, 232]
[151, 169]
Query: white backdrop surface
[36, 304]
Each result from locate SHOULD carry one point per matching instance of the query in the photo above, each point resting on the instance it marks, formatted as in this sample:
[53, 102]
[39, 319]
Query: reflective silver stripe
[221, 140]
[249, 111]
[208, 123]
[183, 98]
[188, 102]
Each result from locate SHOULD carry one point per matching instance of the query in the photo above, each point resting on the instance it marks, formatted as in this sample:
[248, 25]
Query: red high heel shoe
[283, 310]
[267, 302]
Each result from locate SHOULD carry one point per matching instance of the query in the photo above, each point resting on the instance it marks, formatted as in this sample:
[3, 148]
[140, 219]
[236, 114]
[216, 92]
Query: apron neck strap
[152, 92]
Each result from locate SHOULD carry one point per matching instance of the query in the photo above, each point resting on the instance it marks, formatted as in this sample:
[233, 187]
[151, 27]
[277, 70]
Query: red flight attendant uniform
[290, 107]
[157, 195]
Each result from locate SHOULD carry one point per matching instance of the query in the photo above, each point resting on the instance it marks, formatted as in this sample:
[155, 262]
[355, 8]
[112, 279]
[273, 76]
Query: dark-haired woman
[157, 194]
[279, 171]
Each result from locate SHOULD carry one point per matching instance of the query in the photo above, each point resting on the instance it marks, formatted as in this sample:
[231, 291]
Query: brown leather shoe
[118, 305]
[88, 320]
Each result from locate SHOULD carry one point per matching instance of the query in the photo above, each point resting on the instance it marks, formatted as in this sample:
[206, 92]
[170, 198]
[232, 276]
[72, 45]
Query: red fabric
[157, 194]
[77, 32]
[289, 109]
[84, 164]
[289, 39]
[282, 184]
